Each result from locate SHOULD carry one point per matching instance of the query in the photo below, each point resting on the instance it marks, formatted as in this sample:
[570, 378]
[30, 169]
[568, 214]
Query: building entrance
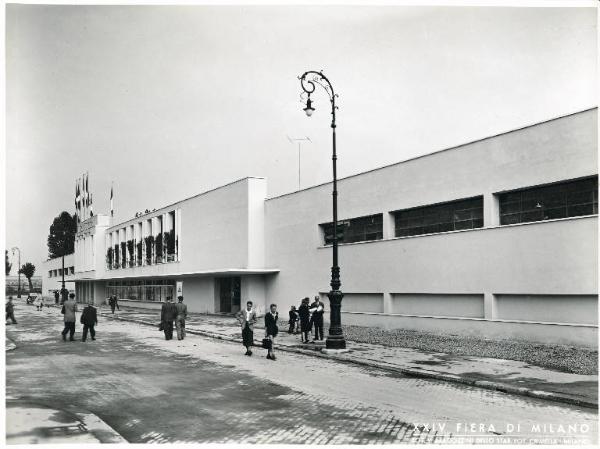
[229, 294]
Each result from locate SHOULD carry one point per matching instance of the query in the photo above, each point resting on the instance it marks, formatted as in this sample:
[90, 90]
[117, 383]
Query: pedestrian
[56, 297]
[40, 302]
[180, 318]
[89, 319]
[318, 309]
[247, 319]
[293, 320]
[10, 310]
[271, 329]
[69, 309]
[304, 314]
[113, 302]
[168, 313]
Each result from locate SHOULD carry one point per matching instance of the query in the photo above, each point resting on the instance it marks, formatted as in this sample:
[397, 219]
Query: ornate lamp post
[335, 338]
[18, 270]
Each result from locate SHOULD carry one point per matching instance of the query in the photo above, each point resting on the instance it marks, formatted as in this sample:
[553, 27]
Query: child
[293, 320]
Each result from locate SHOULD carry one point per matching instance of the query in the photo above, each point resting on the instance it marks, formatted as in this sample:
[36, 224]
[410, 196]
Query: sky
[168, 101]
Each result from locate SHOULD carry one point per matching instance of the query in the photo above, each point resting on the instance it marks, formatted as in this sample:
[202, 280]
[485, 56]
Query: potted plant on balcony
[130, 246]
[116, 259]
[109, 258]
[158, 241]
[123, 254]
[149, 241]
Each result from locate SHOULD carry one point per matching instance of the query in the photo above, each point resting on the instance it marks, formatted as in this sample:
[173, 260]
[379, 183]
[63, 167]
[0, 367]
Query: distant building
[496, 238]
[52, 272]
[12, 285]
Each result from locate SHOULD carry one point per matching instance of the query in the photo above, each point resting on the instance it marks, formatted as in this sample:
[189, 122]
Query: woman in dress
[304, 314]
[271, 329]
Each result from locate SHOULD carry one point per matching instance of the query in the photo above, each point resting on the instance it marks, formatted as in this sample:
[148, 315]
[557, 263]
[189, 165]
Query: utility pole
[299, 140]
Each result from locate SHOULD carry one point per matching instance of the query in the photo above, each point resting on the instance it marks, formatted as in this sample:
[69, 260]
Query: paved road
[203, 390]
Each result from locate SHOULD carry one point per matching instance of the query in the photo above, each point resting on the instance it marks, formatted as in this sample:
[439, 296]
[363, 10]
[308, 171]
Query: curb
[413, 372]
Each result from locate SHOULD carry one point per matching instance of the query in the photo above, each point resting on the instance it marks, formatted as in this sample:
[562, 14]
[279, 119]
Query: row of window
[151, 290]
[59, 272]
[561, 200]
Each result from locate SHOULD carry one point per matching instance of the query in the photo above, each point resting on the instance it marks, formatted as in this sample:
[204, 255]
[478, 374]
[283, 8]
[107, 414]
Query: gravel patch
[570, 359]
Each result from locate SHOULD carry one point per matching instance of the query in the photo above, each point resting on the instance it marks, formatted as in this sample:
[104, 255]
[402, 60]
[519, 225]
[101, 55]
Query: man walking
[317, 308]
[56, 296]
[69, 309]
[168, 312]
[113, 301]
[247, 319]
[10, 310]
[180, 318]
[89, 319]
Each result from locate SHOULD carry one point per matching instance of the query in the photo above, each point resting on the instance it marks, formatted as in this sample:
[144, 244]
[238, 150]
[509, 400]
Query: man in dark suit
[89, 319]
[168, 313]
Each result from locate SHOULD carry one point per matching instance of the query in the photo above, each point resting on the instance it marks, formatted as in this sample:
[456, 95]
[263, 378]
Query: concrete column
[491, 210]
[387, 303]
[489, 306]
[389, 227]
[178, 234]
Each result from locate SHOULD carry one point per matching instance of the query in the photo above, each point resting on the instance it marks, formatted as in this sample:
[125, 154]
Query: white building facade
[52, 275]
[496, 238]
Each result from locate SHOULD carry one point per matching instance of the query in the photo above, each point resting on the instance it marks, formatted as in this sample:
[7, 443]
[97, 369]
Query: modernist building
[52, 275]
[496, 237]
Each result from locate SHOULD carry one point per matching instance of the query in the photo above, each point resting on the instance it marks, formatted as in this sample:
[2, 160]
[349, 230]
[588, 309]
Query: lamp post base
[334, 351]
[335, 342]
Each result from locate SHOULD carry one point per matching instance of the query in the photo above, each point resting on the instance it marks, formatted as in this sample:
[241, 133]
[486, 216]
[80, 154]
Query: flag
[112, 211]
[87, 190]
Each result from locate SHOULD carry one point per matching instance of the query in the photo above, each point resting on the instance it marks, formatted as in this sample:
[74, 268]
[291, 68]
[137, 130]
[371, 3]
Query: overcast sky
[170, 101]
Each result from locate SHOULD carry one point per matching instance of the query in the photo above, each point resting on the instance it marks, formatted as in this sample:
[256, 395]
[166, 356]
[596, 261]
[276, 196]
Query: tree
[61, 241]
[28, 270]
[7, 264]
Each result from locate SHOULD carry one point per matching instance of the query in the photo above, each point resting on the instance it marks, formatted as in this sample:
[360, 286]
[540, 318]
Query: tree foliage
[28, 270]
[7, 264]
[61, 240]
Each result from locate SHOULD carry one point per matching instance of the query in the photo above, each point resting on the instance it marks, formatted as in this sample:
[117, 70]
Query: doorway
[229, 294]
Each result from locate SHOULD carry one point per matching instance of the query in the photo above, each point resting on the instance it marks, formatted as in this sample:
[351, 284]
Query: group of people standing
[309, 317]
[173, 313]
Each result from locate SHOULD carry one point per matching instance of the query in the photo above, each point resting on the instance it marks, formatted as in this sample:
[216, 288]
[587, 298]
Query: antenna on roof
[299, 140]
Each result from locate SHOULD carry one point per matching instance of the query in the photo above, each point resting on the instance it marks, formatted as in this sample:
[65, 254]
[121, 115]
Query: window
[50, 273]
[452, 216]
[72, 270]
[360, 229]
[562, 200]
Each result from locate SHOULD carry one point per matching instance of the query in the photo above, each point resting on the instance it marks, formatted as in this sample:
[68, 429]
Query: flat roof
[214, 272]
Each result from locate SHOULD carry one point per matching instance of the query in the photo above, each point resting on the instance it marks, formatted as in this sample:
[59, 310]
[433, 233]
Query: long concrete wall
[485, 273]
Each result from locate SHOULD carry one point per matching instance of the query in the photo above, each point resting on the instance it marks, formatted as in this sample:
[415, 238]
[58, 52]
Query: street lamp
[18, 270]
[335, 338]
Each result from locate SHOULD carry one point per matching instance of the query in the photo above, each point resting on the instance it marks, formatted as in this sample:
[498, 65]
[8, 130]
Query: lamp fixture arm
[309, 81]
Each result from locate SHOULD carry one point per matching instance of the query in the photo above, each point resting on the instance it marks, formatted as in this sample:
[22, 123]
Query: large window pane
[453, 216]
[355, 230]
[561, 200]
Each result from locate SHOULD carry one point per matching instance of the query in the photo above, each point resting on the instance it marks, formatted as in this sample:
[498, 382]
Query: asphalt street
[206, 391]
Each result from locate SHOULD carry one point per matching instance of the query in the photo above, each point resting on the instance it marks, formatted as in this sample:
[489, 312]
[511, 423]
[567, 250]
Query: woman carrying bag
[271, 330]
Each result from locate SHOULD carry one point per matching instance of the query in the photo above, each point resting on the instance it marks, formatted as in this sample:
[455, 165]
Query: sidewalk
[29, 423]
[510, 376]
